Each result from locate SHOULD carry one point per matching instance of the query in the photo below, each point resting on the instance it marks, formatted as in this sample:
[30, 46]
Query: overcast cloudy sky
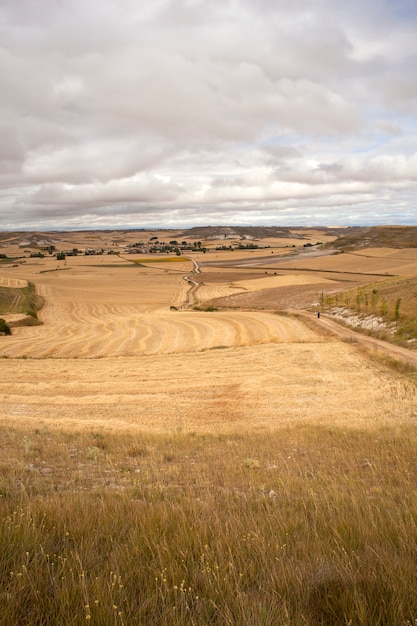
[183, 112]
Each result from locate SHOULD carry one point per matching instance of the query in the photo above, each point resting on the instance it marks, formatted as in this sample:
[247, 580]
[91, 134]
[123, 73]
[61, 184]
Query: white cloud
[177, 111]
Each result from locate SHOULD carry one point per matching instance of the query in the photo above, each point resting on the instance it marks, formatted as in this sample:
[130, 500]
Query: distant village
[153, 246]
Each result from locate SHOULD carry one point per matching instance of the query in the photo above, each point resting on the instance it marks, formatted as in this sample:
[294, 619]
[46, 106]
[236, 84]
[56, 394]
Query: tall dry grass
[305, 525]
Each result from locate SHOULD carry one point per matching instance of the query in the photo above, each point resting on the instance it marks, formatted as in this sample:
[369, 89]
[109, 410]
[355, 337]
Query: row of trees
[364, 301]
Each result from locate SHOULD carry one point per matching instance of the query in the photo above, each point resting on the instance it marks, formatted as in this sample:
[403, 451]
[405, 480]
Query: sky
[177, 113]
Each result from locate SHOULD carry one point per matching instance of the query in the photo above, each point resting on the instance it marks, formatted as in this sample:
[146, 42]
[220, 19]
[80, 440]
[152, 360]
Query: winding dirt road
[346, 334]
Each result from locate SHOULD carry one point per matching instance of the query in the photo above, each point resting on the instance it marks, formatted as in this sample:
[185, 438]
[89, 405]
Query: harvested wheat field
[254, 387]
[375, 261]
[119, 348]
[178, 448]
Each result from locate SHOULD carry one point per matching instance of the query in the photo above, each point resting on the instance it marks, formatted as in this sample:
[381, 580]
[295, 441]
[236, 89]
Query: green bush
[4, 327]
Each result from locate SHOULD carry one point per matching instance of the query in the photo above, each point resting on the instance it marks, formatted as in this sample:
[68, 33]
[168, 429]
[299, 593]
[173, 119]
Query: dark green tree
[397, 309]
[4, 327]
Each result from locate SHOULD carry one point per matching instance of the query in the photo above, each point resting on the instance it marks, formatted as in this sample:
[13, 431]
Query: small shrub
[251, 463]
[4, 327]
[93, 453]
[397, 309]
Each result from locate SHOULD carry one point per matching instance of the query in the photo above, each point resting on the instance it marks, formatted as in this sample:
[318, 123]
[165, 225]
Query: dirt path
[396, 352]
[193, 285]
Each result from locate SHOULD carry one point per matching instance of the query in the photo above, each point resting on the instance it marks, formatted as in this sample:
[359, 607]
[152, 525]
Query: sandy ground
[112, 354]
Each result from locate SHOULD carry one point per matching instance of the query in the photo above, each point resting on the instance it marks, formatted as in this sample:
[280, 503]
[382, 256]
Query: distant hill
[350, 237]
[259, 232]
[28, 239]
[377, 237]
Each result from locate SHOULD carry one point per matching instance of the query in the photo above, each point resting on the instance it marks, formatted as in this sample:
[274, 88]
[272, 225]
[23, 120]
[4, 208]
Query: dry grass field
[175, 449]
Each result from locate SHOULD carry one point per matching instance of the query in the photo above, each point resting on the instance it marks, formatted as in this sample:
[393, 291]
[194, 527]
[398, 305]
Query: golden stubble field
[178, 449]
[120, 349]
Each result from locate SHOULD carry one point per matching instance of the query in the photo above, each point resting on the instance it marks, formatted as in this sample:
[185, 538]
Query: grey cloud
[129, 110]
[11, 151]
[143, 189]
